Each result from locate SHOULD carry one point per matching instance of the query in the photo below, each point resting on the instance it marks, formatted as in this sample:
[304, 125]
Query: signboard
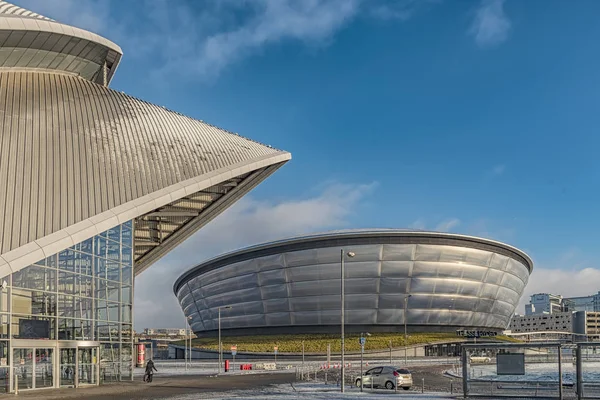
[34, 329]
[362, 341]
[476, 334]
[510, 364]
[233, 350]
[275, 349]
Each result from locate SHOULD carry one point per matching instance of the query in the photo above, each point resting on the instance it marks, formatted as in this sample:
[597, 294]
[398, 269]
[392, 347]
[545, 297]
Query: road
[164, 387]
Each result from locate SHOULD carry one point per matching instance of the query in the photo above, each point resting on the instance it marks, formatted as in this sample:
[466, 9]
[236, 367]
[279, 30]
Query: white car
[386, 376]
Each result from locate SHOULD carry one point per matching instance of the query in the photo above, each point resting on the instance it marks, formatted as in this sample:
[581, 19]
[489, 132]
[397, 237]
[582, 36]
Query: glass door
[23, 366]
[68, 366]
[43, 368]
[87, 365]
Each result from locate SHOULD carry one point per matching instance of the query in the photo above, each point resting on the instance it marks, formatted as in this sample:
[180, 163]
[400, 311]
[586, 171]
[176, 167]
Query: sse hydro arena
[448, 281]
[95, 187]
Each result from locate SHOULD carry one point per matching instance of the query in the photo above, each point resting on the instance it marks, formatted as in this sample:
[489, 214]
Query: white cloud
[568, 282]
[490, 25]
[418, 224]
[447, 225]
[200, 40]
[498, 169]
[397, 10]
[247, 222]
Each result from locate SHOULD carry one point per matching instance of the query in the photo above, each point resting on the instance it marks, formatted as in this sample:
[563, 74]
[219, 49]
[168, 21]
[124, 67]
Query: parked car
[386, 376]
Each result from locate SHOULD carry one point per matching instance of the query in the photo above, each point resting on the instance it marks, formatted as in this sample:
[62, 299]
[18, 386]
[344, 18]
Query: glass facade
[83, 293]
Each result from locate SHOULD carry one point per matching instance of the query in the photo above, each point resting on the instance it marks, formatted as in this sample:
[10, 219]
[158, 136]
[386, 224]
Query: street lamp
[220, 347]
[405, 331]
[189, 354]
[362, 350]
[342, 276]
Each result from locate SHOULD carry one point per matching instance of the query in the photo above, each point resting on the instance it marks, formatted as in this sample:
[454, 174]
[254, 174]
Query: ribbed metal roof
[72, 151]
[7, 8]
[32, 41]
[346, 237]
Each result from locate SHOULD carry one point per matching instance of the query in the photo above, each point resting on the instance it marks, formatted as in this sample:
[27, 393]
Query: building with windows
[555, 322]
[164, 332]
[571, 326]
[96, 186]
[545, 303]
[431, 281]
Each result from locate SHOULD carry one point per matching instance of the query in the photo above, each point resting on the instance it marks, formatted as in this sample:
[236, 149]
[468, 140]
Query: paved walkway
[162, 387]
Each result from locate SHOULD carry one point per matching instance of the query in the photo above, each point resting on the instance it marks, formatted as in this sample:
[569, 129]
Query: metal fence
[587, 359]
[531, 370]
[513, 370]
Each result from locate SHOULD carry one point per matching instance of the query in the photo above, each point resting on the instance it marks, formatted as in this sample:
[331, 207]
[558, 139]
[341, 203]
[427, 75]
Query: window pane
[80, 285]
[86, 246]
[127, 237]
[100, 264]
[115, 233]
[75, 307]
[126, 313]
[66, 260]
[4, 319]
[100, 246]
[126, 255]
[34, 277]
[113, 270]
[113, 250]
[126, 274]
[126, 294]
[83, 263]
[34, 302]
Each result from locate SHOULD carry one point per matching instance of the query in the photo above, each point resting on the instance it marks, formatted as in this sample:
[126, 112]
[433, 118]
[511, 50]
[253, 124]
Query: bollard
[326, 377]
[16, 384]
[451, 387]
[422, 385]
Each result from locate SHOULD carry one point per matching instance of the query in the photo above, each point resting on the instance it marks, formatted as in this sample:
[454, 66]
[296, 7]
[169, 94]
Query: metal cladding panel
[449, 285]
[71, 150]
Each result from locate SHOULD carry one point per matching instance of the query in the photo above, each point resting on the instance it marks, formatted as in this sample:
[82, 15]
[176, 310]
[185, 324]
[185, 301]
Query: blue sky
[477, 117]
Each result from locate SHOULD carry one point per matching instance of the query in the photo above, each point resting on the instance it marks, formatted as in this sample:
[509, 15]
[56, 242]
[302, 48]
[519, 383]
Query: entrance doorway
[87, 359]
[40, 364]
[79, 364]
[33, 367]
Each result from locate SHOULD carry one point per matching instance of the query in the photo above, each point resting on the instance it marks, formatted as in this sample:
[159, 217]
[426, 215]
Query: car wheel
[389, 385]
[406, 387]
[357, 383]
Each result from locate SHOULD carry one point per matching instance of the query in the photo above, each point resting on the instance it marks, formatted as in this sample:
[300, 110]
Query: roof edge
[58, 241]
[351, 233]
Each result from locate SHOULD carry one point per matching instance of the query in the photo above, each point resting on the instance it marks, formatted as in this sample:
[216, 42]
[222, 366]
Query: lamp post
[405, 330]
[220, 347]
[188, 338]
[342, 276]
[362, 350]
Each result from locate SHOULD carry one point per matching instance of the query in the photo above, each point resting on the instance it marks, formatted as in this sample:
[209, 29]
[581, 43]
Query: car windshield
[403, 371]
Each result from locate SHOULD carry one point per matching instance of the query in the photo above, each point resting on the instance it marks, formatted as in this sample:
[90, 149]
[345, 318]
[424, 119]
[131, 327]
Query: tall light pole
[362, 350]
[342, 277]
[188, 337]
[220, 347]
[405, 330]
